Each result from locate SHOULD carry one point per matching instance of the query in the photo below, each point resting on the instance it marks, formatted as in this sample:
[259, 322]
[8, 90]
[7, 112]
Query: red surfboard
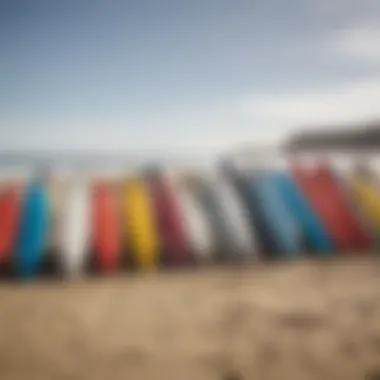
[10, 207]
[330, 204]
[360, 237]
[169, 220]
[106, 234]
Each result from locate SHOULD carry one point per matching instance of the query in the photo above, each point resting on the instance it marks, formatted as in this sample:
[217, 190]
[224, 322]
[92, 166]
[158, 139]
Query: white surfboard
[197, 227]
[236, 217]
[75, 227]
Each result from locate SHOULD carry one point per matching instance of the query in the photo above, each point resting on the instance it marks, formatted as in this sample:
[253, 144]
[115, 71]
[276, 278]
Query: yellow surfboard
[140, 226]
[367, 197]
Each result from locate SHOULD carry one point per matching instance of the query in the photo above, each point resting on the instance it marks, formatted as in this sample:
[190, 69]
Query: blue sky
[201, 74]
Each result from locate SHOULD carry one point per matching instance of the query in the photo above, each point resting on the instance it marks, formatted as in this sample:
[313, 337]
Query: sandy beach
[303, 320]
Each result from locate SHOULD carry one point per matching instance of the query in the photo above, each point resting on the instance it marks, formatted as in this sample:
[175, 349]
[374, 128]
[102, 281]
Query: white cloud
[358, 43]
[355, 33]
[350, 103]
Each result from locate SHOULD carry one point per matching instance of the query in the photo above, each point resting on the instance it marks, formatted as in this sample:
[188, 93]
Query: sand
[301, 320]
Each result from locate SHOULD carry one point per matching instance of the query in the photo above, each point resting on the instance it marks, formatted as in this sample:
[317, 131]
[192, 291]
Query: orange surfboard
[105, 230]
[10, 206]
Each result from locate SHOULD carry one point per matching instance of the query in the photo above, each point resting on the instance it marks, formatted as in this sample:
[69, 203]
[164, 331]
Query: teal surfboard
[32, 236]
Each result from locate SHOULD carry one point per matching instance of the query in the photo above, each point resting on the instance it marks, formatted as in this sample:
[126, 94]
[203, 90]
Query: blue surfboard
[284, 228]
[32, 236]
[297, 203]
[247, 189]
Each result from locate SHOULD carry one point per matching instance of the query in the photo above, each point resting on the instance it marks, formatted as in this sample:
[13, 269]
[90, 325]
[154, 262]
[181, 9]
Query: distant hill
[366, 136]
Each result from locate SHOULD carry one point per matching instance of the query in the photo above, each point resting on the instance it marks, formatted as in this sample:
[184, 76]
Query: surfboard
[329, 203]
[367, 198]
[361, 240]
[139, 223]
[283, 227]
[75, 227]
[243, 182]
[56, 190]
[56, 196]
[168, 218]
[195, 223]
[224, 244]
[106, 234]
[33, 230]
[344, 182]
[10, 206]
[235, 218]
[298, 205]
